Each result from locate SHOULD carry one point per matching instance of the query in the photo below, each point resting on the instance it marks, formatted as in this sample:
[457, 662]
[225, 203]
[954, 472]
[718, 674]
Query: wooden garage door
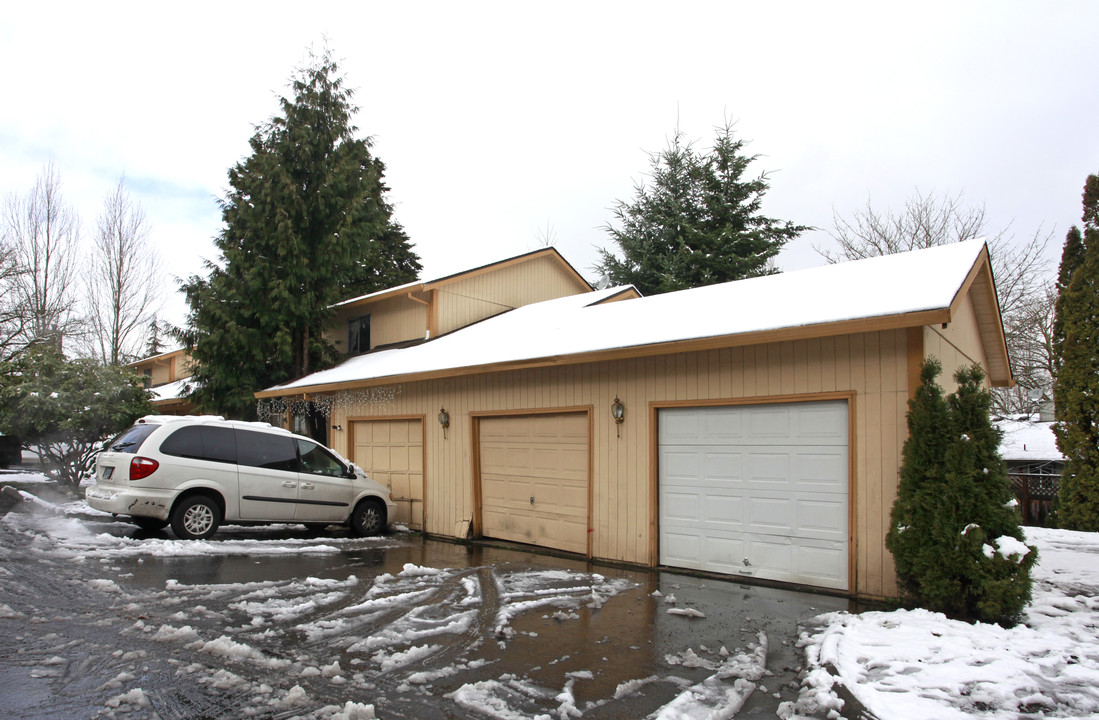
[534, 480]
[757, 490]
[392, 453]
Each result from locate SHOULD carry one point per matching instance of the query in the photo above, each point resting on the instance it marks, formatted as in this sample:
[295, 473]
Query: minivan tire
[368, 518]
[196, 518]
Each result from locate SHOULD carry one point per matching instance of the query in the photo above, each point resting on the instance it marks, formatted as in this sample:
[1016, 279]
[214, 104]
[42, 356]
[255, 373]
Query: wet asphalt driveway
[98, 619]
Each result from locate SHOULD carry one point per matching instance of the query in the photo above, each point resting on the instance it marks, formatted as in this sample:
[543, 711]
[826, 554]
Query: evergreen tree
[154, 343]
[914, 516]
[1076, 389]
[698, 224]
[955, 534]
[1072, 257]
[306, 225]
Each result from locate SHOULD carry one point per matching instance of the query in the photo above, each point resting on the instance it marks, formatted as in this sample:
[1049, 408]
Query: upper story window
[358, 335]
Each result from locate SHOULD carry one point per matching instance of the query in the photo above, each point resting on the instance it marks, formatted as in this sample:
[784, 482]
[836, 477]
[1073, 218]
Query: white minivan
[198, 472]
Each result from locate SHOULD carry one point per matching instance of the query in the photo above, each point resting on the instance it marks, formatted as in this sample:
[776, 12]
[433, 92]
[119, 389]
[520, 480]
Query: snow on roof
[1029, 440]
[171, 391]
[897, 284]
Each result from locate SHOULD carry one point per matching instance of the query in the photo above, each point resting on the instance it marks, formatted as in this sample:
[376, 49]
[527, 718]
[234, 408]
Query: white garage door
[756, 490]
[534, 480]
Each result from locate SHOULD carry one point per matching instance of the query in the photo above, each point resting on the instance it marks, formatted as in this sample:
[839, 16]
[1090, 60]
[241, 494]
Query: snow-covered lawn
[917, 665]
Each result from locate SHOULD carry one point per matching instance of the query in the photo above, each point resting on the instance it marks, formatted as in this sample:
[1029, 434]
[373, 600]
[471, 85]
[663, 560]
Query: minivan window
[202, 443]
[318, 461]
[267, 450]
[130, 439]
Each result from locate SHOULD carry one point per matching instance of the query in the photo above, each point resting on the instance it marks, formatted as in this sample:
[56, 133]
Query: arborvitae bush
[1076, 387]
[955, 534]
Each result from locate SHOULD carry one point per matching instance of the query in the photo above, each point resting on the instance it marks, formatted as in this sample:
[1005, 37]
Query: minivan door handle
[307, 486]
[289, 484]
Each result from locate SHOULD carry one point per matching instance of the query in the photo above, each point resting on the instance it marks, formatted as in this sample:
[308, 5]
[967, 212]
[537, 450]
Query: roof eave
[800, 332]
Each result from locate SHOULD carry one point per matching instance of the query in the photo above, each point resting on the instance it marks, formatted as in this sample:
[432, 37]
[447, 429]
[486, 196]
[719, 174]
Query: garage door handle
[531, 499]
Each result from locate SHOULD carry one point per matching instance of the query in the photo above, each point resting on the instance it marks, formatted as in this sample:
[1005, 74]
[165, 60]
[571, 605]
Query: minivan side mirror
[349, 472]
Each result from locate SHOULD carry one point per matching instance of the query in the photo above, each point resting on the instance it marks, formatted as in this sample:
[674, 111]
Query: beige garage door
[534, 480]
[392, 453]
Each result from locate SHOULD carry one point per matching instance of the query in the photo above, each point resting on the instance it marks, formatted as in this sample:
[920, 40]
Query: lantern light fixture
[618, 412]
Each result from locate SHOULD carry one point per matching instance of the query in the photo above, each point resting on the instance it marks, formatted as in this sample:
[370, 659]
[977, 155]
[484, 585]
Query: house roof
[171, 392]
[157, 358]
[895, 291]
[1030, 441]
[426, 285]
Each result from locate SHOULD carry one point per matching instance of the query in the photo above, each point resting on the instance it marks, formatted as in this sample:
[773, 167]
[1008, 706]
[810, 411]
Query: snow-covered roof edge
[426, 284]
[907, 289]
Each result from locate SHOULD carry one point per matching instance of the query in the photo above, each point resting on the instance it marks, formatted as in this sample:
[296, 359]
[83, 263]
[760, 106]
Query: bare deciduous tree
[1022, 272]
[12, 315]
[43, 231]
[122, 282]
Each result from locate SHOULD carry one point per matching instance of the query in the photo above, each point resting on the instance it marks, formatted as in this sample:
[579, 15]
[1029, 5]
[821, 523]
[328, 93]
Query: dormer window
[358, 335]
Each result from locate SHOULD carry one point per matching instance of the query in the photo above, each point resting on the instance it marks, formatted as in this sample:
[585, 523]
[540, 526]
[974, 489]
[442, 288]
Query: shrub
[955, 534]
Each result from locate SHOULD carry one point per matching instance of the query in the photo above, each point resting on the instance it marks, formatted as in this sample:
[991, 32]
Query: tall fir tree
[1076, 387]
[306, 224]
[955, 534]
[700, 221]
[1072, 257]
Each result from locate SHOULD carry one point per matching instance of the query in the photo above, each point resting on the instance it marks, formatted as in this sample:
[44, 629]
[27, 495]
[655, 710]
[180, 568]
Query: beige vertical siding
[483, 295]
[869, 367]
[958, 344]
[392, 320]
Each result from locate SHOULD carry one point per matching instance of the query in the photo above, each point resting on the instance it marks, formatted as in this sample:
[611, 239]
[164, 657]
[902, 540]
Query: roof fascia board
[983, 265]
[429, 285]
[508, 262]
[803, 332]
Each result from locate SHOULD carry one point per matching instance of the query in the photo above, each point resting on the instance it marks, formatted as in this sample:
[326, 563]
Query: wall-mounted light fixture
[444, 419]
[618, 412]
[337, 427]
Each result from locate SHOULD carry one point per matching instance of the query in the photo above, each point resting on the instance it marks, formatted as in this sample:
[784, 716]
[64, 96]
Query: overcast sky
[503, 122]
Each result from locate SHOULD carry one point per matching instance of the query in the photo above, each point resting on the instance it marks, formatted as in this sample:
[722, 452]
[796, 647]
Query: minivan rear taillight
[142, 468]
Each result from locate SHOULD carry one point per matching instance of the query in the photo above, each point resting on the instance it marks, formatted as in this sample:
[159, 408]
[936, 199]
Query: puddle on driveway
[278, 622]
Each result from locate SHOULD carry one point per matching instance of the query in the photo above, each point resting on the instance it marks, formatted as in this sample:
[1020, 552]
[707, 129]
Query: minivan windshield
[129, 440]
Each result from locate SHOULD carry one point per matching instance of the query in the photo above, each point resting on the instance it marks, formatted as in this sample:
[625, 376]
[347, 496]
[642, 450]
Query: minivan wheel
[149, 523]
[368, 518]
[196, 518]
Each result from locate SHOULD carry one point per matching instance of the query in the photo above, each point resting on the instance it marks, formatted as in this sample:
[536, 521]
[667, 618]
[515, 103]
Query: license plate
[107, 472]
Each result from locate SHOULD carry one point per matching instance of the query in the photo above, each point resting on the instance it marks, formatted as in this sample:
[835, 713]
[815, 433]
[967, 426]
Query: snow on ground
[918, 665]
[317, 647]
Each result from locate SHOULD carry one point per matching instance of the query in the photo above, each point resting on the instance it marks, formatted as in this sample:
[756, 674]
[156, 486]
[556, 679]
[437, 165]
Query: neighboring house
[1034, 465]
[751, 428]
[166, 375]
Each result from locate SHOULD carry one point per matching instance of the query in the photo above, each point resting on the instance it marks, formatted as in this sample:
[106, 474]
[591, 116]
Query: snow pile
[915, 663]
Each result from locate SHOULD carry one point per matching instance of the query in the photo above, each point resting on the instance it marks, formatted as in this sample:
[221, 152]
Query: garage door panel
[682, 549]
[681, 506]
[770, 515]
[723, 554]
[391, 452]
[821, 471]
[769, 423]
[721, 465]
[822, 519]
[774, 494]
